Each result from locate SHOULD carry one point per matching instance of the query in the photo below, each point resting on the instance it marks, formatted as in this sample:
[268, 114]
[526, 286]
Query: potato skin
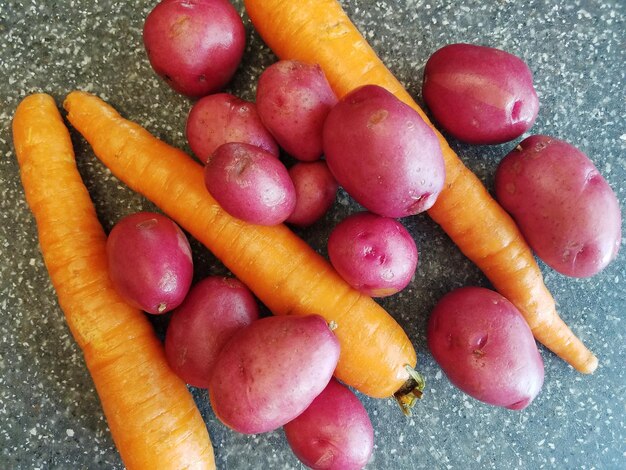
[383, 153]
[376, 255]
[270, 371]
[250, 183]
[316, 191]
[293, 99]
[150, 261]
[334, 432]
[566, 210]
[479, 94]
[221, 118]
[485, 347]
[196, 46]
[213, 310]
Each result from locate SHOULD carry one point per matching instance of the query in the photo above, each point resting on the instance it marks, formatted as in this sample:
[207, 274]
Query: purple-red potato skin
[485, 347]
[334, 432]
[376, 255]
[293, 100]
[316, 191]
[150, 261]
[195, 46]
[383, 153]
[566, 210]
[479, 94]
[213, 310]
[270, 371]
[250, 184]
[221, 118]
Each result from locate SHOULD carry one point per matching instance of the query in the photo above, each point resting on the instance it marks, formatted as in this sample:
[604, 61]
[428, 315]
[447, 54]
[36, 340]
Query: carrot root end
[411, 391]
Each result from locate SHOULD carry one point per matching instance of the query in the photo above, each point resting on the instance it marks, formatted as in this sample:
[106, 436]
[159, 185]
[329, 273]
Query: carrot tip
[411, 391]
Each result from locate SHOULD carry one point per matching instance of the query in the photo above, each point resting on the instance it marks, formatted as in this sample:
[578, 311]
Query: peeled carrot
[319, 31]
[286, 274]
[151, 414]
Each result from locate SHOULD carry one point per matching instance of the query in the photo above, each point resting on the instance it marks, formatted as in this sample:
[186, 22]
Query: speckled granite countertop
[49, 413]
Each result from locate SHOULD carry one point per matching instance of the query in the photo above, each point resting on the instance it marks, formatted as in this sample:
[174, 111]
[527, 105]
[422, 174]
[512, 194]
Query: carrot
[151, 414]
[319, 31]
[286, 274]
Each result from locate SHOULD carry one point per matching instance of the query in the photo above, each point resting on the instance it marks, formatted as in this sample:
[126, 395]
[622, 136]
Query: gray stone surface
[49, 413]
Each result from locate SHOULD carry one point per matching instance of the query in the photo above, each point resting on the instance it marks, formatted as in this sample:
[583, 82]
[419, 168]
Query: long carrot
[319, 31]
[151, 414]
[280, 268]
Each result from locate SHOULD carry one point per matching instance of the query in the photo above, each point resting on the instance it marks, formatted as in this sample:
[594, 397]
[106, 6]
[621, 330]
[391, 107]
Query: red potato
[383, 153]
[293, 100]
[480, 95]
[316, 190]
[213, 310]
[270, 371]
[250, 184]
[221, 118]
[375, 255]
[564, 207]
[150, 261]
[195, 46]
[485, 347]
[334, 432]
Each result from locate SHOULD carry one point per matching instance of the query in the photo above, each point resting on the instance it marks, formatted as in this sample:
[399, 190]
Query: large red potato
[479, 94]
[195, 46]
[270, 371]
[375, 255]
[293, 99]
[383, 153]
[566, 210]
[485, 347]
[334, 432]
[213, 310]
[150, 261]
[221, 118]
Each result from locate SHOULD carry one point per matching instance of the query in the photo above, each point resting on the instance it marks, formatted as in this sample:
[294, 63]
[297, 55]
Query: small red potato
[333, 433]
[485, 347]
[221, 118]
[480, 95]
[270, 371]
[375, 255]
[566, 210]
[316, 191]
[213, 310]
[250, 184]
[195, 46]
[150, 261]
[383, 153]
[293, 100]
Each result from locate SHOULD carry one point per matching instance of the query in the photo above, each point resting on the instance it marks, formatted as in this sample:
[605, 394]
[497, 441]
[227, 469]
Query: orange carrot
[151, 414]
[280, 268]
[319, 31]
